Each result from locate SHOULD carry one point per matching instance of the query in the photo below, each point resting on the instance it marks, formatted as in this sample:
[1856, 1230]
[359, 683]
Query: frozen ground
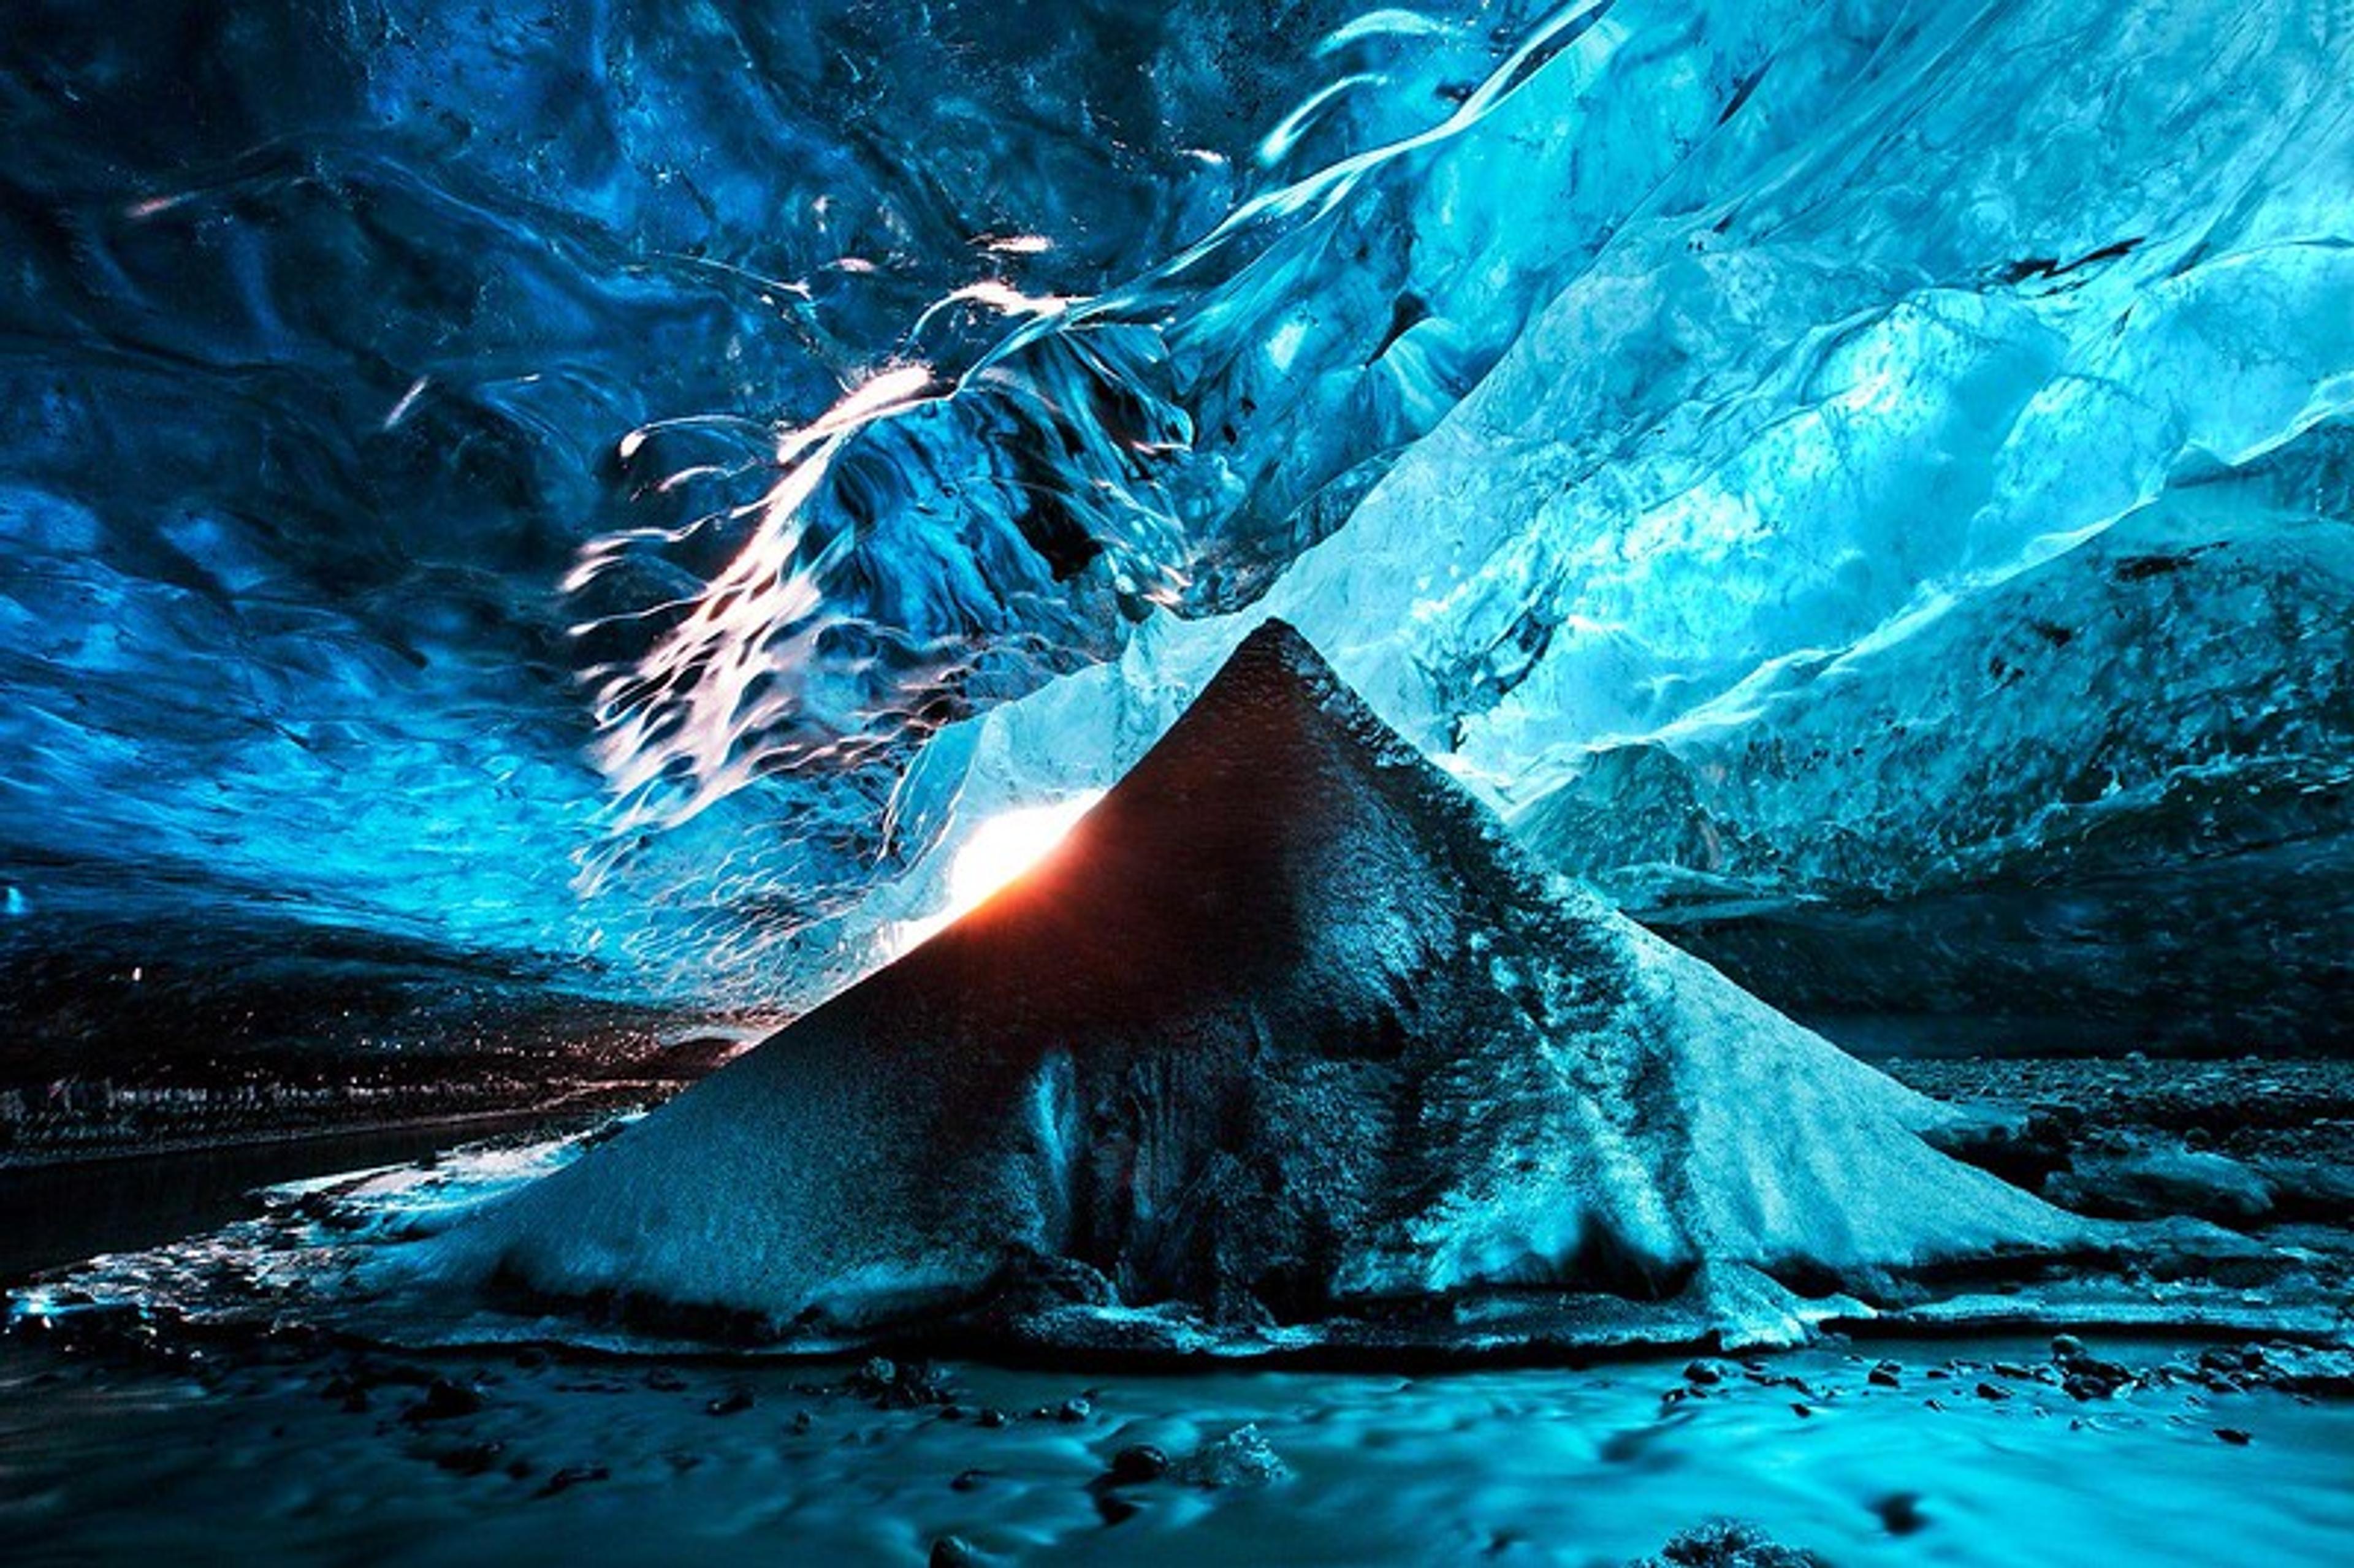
[1959, 1456]
[123, 1440]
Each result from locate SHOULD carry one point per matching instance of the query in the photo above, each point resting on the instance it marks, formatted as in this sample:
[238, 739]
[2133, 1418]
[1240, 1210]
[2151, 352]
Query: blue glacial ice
[1915, 514]
[621, 497]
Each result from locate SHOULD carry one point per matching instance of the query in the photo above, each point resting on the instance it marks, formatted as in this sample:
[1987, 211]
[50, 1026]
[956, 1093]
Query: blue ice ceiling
[617, 493]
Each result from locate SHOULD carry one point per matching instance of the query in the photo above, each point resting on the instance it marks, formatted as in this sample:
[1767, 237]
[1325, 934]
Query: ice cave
[950, 782]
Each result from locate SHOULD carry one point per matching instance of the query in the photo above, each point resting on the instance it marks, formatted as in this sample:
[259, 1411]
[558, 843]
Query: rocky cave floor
[123, 1436]
[1888, 1452]
[2253, 1143]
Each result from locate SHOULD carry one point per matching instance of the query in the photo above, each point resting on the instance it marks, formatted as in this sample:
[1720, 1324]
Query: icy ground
[1875, 1454]
[2257, 1152]
[123, 1431]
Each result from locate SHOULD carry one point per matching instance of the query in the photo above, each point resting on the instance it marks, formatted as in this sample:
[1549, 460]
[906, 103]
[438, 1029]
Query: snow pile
[1285, 1031]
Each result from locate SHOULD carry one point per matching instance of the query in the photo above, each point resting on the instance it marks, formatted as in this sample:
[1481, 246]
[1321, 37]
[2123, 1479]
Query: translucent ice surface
[618, 499]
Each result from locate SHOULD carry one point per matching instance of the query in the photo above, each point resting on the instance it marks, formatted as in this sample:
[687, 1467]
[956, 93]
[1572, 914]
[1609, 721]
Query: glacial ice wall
[1906, 557]
[338, 332]
[1866, 484]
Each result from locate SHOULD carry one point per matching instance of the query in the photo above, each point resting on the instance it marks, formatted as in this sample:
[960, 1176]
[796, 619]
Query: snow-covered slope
[1286, 1027]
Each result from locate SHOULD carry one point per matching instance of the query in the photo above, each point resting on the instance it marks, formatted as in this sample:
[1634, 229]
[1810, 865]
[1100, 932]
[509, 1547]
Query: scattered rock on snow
[443, 1401]
[1900, 1513]
[572, 1476]
[1137, 1464]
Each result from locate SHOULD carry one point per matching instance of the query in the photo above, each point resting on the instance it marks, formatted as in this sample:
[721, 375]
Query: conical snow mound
[1286, 1032]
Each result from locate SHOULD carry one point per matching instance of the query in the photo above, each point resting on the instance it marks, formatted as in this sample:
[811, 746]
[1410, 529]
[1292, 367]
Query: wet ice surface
[115, 1444]
[638, 1460]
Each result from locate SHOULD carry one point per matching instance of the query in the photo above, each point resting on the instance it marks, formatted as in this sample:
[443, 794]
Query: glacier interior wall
[1866, 484]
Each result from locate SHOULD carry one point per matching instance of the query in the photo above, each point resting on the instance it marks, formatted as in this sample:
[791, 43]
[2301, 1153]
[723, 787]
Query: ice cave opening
[998, 851]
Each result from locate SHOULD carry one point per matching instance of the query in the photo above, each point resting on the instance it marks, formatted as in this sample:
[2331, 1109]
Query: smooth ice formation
[1285, 1031]
[1889, 460]
[1900, 545]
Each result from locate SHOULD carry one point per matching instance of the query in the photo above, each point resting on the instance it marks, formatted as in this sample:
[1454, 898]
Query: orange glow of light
[999, 851]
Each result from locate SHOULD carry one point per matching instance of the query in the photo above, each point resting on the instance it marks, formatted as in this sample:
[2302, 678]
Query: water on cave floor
[636, 1460]
[126, 1432]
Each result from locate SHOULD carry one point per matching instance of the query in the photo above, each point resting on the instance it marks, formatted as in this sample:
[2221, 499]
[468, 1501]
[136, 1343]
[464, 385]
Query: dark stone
[2235, 1436]
[2107, 1372]
[474, 1459]
[953, 1552]
[572, 1476]
[1900, 1513]
[1137, 1464]
[1073, 1411]
[1885, 1375]
[445, 1400]
[1705, 1373]
[2226, 1359]
[733, 1402]
[898, 1385]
